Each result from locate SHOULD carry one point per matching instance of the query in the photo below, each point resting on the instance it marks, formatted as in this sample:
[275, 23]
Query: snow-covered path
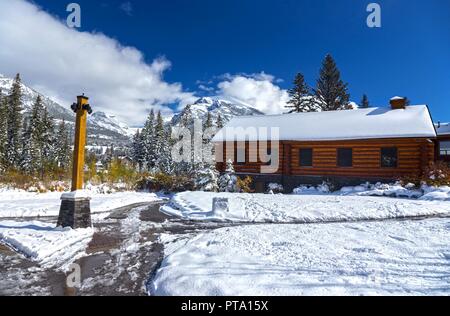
[16, 203]
[403, 257]
[281, 208]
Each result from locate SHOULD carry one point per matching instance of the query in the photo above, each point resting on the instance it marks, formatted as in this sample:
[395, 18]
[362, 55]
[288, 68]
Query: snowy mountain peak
[110, 122]
[102, 128]
[204, 100]
[225, 107]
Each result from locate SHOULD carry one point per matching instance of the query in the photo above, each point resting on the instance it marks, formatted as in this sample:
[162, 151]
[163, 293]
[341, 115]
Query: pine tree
[165, 162]
[159, 133]
[36, 130]
[219, 122]
[207, 179]
[148, 145]
[364, 102]
[14, 123]
[228, 180]
[3, 130]
[300, 97]
[26, 163]
[208, 122]
[48, 160]
[331, 92]
[137, 152]
[186, 116]
[62, 149]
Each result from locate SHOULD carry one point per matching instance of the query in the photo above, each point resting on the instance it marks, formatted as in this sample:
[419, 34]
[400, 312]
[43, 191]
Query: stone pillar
[75, 211]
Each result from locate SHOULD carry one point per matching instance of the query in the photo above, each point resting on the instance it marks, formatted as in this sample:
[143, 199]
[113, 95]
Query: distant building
[443, 141]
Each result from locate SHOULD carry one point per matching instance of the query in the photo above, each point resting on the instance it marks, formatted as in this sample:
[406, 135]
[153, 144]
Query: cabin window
[306, 157]
[269, 153]
[389, 157]
[345, 157]
[444, 148]
[240, 155]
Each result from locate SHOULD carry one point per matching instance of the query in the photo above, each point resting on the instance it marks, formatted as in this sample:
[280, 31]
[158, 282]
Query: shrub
[164, 182]
[275, 188]
[437, 174]
[244, 185]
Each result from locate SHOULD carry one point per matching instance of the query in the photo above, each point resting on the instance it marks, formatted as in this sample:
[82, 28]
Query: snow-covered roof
[397, 98]
[413, 121]
[443, 128]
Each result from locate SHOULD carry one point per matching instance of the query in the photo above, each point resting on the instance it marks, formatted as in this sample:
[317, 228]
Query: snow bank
[425, 192]
[372, 258]
[18, 203]
[280, 208]
[45, 244]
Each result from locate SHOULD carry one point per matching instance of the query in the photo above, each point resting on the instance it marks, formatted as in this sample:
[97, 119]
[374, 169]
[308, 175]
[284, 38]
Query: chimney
[398, 103]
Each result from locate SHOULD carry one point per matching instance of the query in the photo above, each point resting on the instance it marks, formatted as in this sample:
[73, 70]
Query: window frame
[236, 153]
[447, 151]
[396, 157]
[338, 151]
[300, 157]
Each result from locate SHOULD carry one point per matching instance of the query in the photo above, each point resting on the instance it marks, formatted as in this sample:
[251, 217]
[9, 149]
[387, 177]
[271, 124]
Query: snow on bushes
[228, 180]
[309, 189]
[398, 190]
[207, 179]
[275, 188]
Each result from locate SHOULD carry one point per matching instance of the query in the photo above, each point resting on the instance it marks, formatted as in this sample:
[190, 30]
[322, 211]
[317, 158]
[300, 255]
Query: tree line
[152, 150]
[31, 144]
[330, 94]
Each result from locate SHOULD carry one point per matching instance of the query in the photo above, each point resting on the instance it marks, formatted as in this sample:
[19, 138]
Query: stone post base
[75, 211]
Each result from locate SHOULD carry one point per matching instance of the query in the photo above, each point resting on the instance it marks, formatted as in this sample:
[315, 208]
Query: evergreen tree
[184, 168]
[137, 151]
[207, 179]
[48, 160]
[186, 116]
[300, 97]
[3, 130]
[159, 136]
[62, 146]
[364, 102]
[331, 92]
[219, 122]
[228, 180]
[36, 130]
[14, 124]
[26, 164]
[148, 146]
[165, 162]
[208, 122]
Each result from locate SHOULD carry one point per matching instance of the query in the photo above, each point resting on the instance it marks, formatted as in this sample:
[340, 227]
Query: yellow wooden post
[75, 210]
[80, 143]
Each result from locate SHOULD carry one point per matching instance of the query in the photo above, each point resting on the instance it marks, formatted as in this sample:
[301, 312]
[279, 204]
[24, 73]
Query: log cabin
[346, 147]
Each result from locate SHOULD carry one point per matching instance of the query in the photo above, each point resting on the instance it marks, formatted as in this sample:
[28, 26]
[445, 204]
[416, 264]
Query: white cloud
[257, 90]
[127, 7]
[63, 63]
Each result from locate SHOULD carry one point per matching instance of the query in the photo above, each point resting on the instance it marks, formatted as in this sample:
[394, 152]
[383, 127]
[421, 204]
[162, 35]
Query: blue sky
[204, 39]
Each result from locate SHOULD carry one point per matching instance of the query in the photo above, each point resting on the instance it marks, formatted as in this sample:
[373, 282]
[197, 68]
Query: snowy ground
[42, 242]
[425, 192]
[18, 203]
[45, 244]
[368, 258]
[298, 208]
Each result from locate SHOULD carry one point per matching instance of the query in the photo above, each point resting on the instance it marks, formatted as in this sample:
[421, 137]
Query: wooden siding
[414, 154]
